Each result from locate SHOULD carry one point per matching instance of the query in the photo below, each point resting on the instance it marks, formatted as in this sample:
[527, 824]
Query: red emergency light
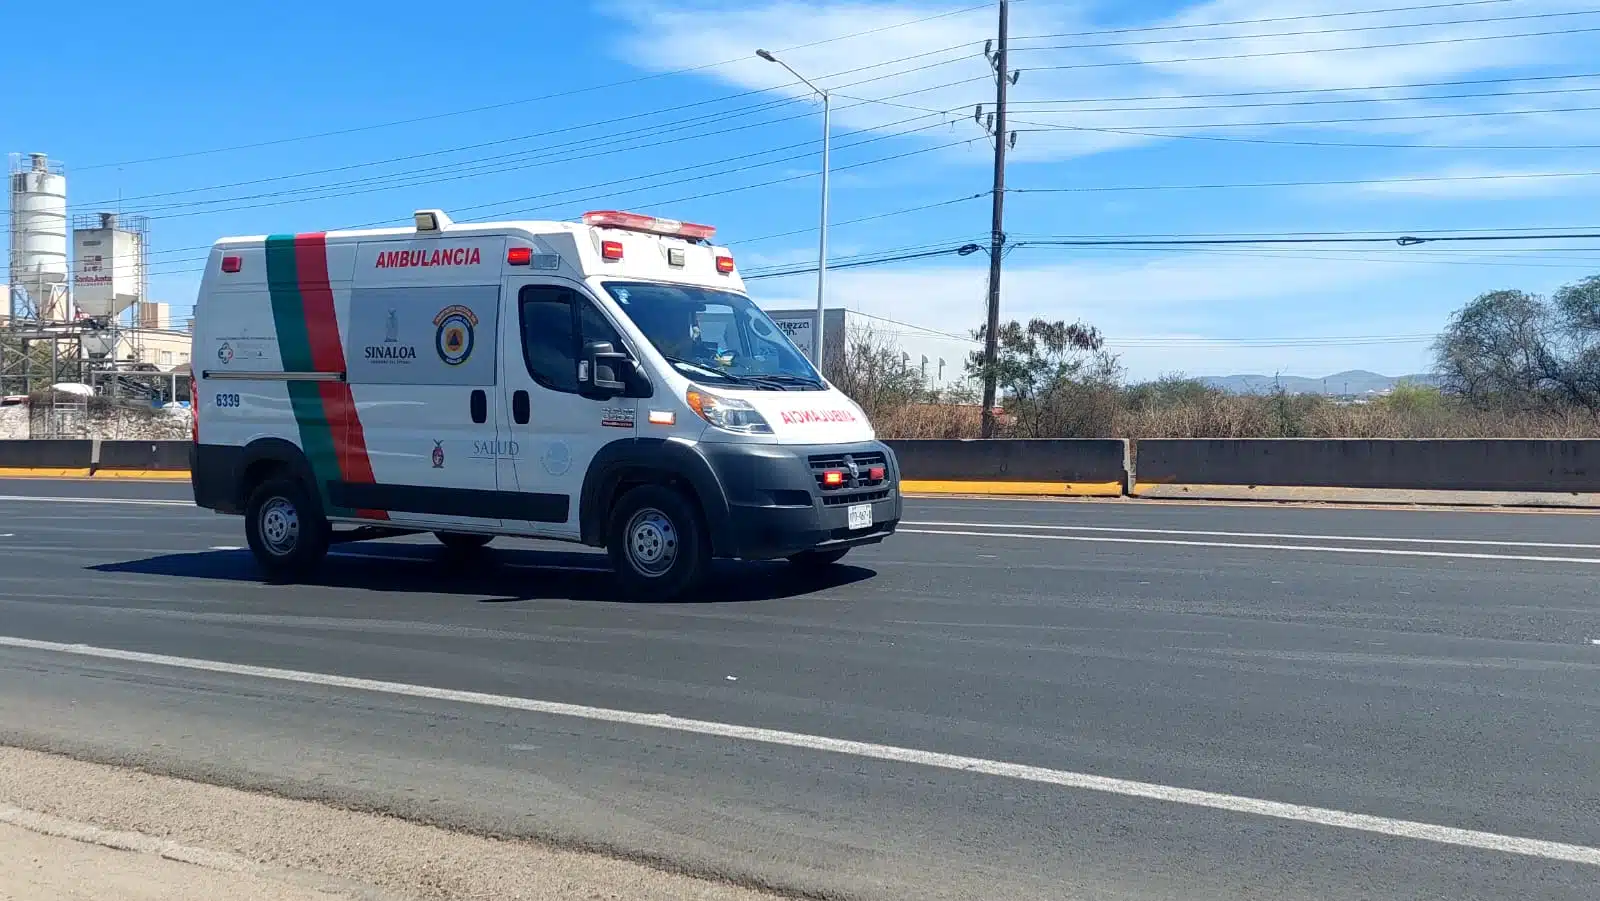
[724, 265]
[833, 478]
[639, 223]
[611, 250]
[232, 264]
[519, 256]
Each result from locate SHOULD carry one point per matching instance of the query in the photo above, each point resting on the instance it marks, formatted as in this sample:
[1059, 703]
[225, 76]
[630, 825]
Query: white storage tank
[39, 269]
[109, 254]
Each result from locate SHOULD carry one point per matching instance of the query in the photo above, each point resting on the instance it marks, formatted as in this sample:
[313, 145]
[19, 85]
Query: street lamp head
[766, 56]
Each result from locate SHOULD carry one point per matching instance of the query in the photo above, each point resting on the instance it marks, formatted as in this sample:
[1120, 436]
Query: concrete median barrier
[159, 456]
[1512, 472]
[59, 457]
[1066, 467]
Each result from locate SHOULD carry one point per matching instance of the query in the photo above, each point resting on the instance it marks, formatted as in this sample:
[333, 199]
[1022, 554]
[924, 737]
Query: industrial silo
[38, 261]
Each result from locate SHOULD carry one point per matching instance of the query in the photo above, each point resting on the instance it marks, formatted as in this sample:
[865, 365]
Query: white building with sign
[939, 358]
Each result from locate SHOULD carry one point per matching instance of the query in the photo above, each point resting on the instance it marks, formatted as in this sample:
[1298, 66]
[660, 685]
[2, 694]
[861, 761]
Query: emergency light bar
[639, 223]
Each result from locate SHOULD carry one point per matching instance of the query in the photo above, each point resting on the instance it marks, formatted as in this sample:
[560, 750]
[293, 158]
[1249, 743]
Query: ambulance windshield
[706, 332]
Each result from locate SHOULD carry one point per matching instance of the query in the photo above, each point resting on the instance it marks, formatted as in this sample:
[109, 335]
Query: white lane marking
[1448, 835]
[1284, 535]
[135, 501]
[1381, 551]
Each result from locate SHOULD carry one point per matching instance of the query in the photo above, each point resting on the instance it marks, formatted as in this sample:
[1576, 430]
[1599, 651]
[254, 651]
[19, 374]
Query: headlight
[727, 413]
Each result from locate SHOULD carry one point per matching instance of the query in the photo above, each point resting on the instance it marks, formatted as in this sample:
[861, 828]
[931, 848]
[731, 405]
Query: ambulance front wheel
[658, 543]
[286, 529]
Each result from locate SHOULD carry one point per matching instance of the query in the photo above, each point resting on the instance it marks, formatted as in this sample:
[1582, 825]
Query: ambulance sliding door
[423, 369]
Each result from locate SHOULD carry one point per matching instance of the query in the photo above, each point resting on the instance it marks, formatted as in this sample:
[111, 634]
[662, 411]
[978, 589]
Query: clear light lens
[727, 413]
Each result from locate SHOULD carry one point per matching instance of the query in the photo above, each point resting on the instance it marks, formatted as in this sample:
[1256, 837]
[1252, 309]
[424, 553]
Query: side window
[548, 344]
[596, 327]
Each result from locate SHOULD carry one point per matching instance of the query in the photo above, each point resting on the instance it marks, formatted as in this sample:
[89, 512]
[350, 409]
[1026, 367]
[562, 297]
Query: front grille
[836, 498]
[821, 464]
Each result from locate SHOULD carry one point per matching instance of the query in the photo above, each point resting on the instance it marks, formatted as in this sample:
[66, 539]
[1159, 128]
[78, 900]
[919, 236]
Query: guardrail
[1464, 471]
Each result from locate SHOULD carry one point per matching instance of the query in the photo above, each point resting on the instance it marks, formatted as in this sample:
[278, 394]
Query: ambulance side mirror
[603, 369]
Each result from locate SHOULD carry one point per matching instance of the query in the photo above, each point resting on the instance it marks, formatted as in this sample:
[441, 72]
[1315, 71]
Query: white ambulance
[605, 382]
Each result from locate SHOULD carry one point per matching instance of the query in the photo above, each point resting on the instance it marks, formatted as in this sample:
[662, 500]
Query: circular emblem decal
[455, 335]
[557, 458]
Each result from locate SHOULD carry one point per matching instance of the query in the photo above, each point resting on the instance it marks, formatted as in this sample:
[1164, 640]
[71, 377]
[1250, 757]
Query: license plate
[861, 517]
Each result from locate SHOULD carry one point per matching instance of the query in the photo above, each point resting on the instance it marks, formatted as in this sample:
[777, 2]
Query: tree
[1168, 391]
[1517, 351]
[873, 373]
[1055, 378]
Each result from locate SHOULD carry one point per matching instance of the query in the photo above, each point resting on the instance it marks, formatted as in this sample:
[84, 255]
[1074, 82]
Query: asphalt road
[1420, 667]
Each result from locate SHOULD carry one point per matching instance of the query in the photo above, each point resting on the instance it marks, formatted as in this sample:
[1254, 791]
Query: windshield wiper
[701, 367]
[783, 378]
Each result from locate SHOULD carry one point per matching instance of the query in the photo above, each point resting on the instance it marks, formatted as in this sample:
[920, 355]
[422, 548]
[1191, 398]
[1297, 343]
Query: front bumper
[776, 508]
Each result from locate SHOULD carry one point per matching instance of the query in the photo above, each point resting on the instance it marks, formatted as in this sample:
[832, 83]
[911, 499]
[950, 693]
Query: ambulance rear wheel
[286, 529]
[658, 544]
[462, 542]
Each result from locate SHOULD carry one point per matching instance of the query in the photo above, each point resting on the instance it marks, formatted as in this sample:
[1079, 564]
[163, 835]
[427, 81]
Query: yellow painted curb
[1052, 489]
[149, 475]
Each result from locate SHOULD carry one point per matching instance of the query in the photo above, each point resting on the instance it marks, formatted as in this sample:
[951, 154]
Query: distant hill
[1353, 382]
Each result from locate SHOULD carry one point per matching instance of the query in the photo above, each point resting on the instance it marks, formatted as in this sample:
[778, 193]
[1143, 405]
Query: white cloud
[1125, 65]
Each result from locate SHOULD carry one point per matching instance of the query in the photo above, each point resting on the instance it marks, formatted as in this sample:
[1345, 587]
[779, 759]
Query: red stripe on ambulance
[327, 355]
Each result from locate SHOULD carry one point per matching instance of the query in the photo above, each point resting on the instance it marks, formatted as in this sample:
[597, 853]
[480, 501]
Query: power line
[1401, 240]
[561, 147]
[1305, 184]
[1282, 91]
[590, 199]
[522, 101]
[1393, 257]
[1302, 18]
[1322, 31]
[1305, 50]
[1293, 122]
[341, 192]
[915, 209]
[1145, 131]
[1318, 102]
[676, 172]
[880, 259]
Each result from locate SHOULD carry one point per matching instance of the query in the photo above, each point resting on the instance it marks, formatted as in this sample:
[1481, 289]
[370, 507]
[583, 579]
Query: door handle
[520, 408]
[480, 406]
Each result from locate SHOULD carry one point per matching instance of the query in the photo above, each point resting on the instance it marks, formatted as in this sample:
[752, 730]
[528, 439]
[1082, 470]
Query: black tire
[658, 543]
[818, 559]
[286, 529]
[463, 542]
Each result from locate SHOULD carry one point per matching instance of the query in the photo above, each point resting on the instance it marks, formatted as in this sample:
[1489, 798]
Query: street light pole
[822, 240]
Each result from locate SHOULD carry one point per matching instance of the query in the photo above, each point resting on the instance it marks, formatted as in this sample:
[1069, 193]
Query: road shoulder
[70, 830]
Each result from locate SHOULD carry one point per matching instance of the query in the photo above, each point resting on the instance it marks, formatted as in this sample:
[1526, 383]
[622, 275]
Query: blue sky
[1106, 114]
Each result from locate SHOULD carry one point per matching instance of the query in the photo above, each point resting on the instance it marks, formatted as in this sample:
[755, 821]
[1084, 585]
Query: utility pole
[996, 126]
